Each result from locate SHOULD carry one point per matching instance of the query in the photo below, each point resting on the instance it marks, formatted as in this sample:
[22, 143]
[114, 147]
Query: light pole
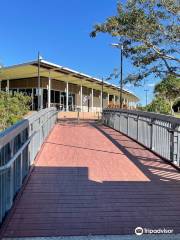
[121, 72]
[146, 90]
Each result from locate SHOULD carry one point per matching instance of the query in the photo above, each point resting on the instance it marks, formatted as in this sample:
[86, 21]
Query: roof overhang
[48, 69]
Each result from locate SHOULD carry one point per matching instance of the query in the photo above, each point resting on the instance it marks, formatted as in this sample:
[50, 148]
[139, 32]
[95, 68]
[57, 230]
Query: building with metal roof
[50, 84]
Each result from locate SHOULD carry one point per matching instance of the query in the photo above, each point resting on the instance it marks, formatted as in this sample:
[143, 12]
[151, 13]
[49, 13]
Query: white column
[41, 98]
[81, 100]
[92, 100]
[124, 101]
[67, 97]
[114, 98]
[49, 92]
[7, 88]
[127, 103]
[108, 98]
[101, 100]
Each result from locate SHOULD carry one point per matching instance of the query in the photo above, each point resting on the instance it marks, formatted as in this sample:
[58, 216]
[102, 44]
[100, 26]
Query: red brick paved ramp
[90, 179]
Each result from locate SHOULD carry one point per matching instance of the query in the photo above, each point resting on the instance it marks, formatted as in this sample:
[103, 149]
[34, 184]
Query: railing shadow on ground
[133, 154]
[60, 201]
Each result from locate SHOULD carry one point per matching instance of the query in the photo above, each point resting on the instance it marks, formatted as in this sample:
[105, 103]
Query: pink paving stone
[90, 179]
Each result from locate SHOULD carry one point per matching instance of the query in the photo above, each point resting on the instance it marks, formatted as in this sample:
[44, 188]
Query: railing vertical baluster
[160, 133]
[21, 168]
[127, 117]
[17, 152]
[151, 134]
[173, 143]
[137, 137]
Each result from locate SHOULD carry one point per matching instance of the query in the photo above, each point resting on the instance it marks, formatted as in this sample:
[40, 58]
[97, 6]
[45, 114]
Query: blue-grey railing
[19, 146]
[158, 132]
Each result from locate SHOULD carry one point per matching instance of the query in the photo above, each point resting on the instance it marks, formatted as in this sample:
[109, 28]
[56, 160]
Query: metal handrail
[19, 146]
[157, 116]
[9, 163]
[158, 132]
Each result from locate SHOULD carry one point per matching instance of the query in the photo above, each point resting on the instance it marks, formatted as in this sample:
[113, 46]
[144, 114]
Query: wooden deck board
[90, 179]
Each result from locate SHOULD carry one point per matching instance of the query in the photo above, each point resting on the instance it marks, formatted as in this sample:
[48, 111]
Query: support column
[81, 100]
[49, 91]
[108, 99]
[92, 100]
[101, 102]
[0, 85]
[42, 98]
[114, 99]
[135, 105]
[7, 87]
[127, 103]
[67, 97]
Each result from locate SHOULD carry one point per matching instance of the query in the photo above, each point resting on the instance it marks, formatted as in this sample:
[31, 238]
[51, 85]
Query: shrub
[12, 108]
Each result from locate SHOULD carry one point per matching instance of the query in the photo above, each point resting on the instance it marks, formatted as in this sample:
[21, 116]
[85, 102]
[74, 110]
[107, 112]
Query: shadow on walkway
[70, 191]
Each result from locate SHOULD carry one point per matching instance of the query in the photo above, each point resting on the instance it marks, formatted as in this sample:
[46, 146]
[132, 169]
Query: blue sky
[60, 29]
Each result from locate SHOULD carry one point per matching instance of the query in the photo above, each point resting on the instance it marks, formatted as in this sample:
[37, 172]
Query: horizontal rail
[160, 133]
[8, 164]
[19, 146]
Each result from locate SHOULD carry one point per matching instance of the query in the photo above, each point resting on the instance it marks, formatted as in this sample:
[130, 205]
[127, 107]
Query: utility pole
[121, 78]
[118, 45]
[146, 90]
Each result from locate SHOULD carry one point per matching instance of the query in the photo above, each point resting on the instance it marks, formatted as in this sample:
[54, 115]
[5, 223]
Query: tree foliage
[167, 96]
[168, 89]
[159, 105]
[12, 108]
[150, 33]
[176, 105]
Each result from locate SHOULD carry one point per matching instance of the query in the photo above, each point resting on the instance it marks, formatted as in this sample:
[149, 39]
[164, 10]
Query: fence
[160, 133]
[19, 146]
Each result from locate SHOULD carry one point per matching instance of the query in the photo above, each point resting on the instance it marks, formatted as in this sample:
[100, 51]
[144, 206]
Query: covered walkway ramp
[89, 179]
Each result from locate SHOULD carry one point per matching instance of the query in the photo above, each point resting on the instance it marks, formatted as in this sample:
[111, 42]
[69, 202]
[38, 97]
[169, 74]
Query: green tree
[159, 105]
[176, 105]
[169, 89]
[150, 32]
[12, 108]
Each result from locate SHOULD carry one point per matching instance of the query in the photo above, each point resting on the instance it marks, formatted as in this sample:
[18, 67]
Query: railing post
[127, 124]
[152, 134]
[11, 178]
[137, 137]
[119, 121]
[21, 168]
[173, 155]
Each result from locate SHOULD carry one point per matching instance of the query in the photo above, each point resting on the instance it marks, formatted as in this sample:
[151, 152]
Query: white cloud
[128, 85]
[151, 84]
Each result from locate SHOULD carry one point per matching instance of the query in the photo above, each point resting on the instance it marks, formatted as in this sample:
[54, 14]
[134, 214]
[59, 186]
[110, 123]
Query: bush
[12, 108]
[159, 105]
